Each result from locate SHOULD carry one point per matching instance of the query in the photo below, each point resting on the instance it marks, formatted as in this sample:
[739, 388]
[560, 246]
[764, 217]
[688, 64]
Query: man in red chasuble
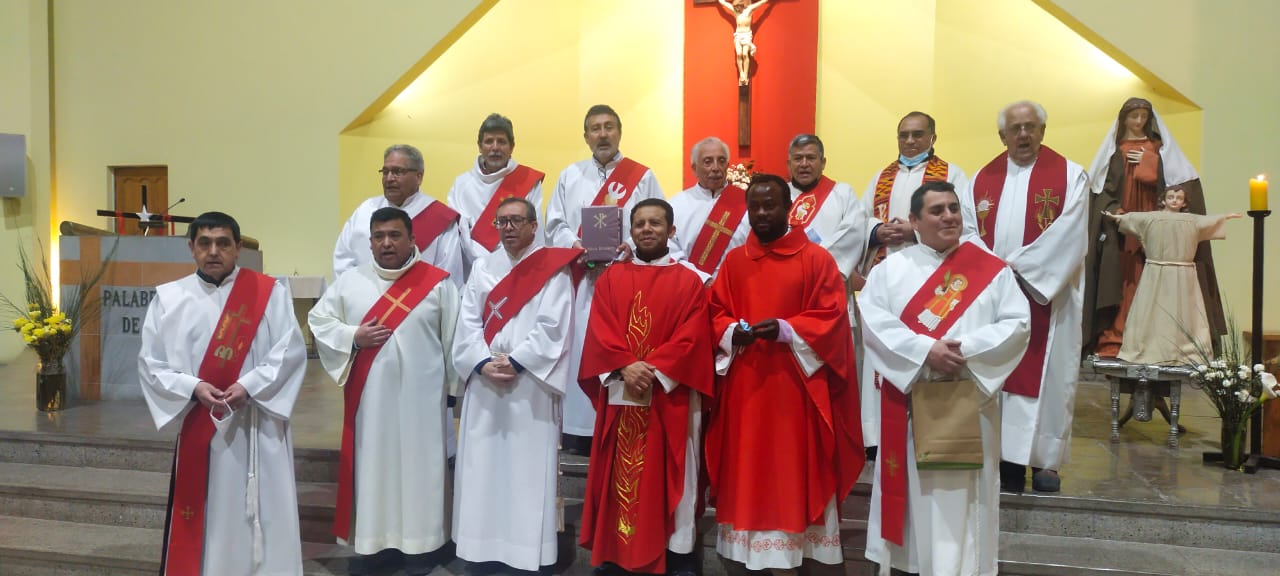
[646, 364]
[784, 444]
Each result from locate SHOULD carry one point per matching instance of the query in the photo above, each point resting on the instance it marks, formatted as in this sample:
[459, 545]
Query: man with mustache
[494, 177]
[784, 445]
[646, 367]
[384, 332]
[888, 202]
[436, 229]
[222, 352]
[605, 179]
[710, 217]
[942, 318]
[1037, 222]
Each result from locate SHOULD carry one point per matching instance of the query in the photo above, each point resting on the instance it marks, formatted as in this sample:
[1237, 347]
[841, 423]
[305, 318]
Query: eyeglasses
[514, 221]
[395, 172]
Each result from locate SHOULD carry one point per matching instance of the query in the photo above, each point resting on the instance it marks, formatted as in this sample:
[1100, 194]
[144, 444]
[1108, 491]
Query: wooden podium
[103, 362]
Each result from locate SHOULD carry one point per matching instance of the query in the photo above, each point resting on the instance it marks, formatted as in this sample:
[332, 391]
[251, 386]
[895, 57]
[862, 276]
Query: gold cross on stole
[719, 228]
[1045, 216]
[235, 320]
[396, 303]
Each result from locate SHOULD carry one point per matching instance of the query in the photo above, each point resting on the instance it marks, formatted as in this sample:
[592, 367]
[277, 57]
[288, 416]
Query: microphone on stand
[168, 210]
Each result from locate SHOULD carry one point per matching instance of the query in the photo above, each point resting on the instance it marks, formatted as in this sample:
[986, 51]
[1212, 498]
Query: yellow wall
[956, 64]
[542, 64]
[242, 99]
[24, 109]
[1225, 56]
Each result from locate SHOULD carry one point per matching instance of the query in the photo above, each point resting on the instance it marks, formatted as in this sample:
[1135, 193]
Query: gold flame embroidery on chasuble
[633, 423]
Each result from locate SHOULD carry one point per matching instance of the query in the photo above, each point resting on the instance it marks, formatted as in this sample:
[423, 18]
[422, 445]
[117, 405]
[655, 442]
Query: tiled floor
[1139, 468]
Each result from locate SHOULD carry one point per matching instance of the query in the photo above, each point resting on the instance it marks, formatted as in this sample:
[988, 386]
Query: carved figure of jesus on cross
[743, 48]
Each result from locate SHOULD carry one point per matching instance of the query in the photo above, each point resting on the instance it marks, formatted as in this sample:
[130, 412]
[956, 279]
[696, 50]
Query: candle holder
[1256, 460]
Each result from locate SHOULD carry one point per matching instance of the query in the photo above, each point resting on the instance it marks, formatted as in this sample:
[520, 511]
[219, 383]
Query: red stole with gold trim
[1045, 192]
[516, 184]
[390, 310]
[520, 285]
[807, 204]
[933, 310]
[431, 222]
[713, 241]
[223, 359]
[935, 170]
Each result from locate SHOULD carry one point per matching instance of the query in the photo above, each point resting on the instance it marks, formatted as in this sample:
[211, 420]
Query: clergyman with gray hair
[710, 216]
[436, 228]
[1031, 210]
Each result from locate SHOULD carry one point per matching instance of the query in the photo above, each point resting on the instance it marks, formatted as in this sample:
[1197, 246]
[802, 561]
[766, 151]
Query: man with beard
[605, 179]
[435, 225]
[711, 215]
[382, 331]
[784, 445]
[494, 177]
[646, 366]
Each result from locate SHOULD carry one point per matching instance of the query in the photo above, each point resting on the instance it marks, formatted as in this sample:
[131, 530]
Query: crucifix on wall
[743, 49]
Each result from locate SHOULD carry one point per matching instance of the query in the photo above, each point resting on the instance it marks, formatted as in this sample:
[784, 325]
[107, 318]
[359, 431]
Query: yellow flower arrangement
[44, 327]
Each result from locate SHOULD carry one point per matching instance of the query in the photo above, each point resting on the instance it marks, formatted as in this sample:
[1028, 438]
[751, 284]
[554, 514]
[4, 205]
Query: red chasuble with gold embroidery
[223, 359]
[657, 314]
[1045, 190]
[781, 444]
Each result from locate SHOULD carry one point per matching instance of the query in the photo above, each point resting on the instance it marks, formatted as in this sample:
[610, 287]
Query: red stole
[223, 359]
[935, 170]
[636, 479]
[807, 204]
[390, 310]
[621, 182]
[520, 285]
[516, 184]
[1045, 193]
[941, 301]
[431, 222]
[717, 231]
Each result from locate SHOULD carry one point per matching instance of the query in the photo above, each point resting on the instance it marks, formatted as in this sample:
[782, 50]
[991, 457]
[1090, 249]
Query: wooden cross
[719, 228]
[396, 303]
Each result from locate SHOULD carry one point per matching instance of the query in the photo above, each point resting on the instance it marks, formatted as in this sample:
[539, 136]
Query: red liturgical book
[601, 232]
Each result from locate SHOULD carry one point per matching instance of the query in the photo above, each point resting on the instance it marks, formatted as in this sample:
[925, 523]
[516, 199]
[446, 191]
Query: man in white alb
[1037, 223]
[436, 229]
[888, 202]
[511, 349]
[222, 354]
[942, 313]
[710, 217]
[494, 177]
[384, 332]
[605, 179]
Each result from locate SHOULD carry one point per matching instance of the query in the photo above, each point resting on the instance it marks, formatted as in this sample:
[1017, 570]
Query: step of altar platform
[96, 487]
[152, 455]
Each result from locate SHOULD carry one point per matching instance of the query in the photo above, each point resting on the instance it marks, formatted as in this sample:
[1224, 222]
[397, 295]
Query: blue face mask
[914, 160]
